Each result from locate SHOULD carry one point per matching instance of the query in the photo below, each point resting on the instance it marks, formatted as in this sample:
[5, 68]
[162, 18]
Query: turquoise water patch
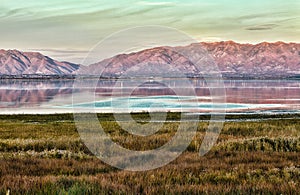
[156, 102]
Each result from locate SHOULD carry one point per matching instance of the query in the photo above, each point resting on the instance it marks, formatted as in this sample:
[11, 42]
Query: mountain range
[263, 60]
[14, 62]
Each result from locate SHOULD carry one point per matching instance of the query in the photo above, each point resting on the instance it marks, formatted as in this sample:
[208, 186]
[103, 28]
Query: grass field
[44, 155]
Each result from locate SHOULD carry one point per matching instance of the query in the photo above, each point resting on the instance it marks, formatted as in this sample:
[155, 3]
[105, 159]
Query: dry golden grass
[40, 155]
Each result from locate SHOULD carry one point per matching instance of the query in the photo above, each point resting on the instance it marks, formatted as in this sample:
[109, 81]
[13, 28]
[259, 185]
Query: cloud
[208, 39]
[61, 51]
[262, 27]
[155, 3]
[261, 15]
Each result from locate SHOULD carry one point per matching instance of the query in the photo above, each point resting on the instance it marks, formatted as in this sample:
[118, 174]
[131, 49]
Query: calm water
[242, 96]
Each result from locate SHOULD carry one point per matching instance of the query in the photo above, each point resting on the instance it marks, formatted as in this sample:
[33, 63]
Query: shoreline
[188, 112]
[172, 116]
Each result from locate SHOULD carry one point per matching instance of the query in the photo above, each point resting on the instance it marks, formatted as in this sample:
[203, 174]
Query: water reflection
[31, 93]
[37, 94]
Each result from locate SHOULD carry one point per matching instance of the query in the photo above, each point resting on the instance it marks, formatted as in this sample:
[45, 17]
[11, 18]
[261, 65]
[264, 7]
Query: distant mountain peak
[262, 60]
[15, 62]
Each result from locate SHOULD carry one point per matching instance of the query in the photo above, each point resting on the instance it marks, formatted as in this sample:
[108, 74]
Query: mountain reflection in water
[40, 94]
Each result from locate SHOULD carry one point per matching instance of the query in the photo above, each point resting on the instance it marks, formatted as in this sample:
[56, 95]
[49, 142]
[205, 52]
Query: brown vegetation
[39, 156]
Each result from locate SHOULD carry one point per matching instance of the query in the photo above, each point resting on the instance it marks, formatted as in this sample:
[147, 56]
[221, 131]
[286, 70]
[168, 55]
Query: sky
[68, 29]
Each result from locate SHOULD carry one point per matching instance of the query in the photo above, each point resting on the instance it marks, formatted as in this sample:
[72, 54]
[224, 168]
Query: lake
[138, 95]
